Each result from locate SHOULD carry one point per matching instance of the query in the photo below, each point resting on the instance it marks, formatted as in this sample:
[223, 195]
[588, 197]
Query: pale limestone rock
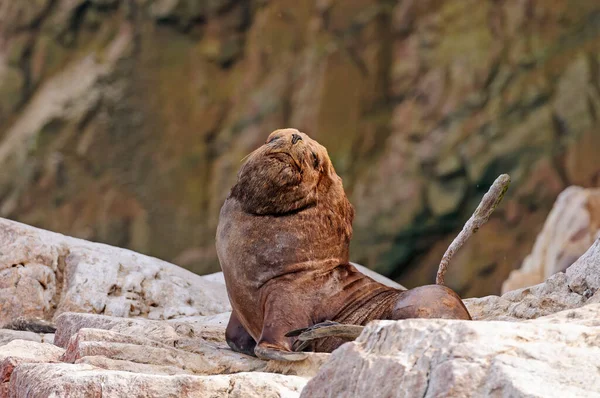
[560, 292]
[450, 358]
[568, 232]
[206, 358]
[543, 299]
[210, 328]
[23, 351]
[43, 274]
[584, 274]
[7, 335]
[588, 315]
[82, 380]
[145, 346]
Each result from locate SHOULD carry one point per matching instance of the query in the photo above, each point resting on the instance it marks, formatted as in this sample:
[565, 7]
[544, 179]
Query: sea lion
[283, 244]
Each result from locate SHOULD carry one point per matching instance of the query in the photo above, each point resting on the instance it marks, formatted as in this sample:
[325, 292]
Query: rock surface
[435, 358]
[140, 356]
[561, 291]
[124, 121]
[82, 381]
[568, 232]
[22, 351]
[547, 349]
[194, 346]
[43, 274]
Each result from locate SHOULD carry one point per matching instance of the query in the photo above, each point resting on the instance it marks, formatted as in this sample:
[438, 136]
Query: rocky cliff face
[125, 121]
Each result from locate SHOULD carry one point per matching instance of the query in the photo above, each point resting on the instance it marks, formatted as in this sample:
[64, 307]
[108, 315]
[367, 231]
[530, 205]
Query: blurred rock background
[124, 121]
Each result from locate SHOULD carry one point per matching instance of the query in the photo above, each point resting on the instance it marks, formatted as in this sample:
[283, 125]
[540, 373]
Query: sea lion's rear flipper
[268, 353]
[237, 337]
[323, 330]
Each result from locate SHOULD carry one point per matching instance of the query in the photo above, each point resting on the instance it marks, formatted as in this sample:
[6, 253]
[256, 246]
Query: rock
[560, 292]
[190, 345]
[68, 324]
[210, 327]
[584, 274]
[7, 335]
[22, 351]
[216, 277]
[433, 358]
[44, 274]
[197, 355]
[568, 232]
[543, 299]
[82, 380]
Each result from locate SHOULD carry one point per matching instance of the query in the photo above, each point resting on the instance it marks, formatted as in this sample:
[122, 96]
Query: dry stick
[481, 215]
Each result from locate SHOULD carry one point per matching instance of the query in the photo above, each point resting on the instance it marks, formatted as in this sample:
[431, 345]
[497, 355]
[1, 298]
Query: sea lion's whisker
[250, 154]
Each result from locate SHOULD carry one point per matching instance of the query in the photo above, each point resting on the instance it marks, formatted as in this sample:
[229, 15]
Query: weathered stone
[80, 380]
[46, 274]
[189, 345]
[68, 324]
[207, 358]
[7, 335]
[584, 275]
[543, 299]
[22, 351]
[568, 232]
[433, 358]
[560, 292]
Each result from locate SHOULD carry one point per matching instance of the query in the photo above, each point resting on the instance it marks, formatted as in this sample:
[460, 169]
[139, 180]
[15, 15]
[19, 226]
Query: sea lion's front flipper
[279, 317]
[323, 330]
[237, 337]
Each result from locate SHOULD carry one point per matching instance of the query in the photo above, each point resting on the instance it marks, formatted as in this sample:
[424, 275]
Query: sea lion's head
[290, 172]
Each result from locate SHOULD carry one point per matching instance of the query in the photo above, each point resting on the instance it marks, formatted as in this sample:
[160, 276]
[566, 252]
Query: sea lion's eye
[274, 139]
[315, 160]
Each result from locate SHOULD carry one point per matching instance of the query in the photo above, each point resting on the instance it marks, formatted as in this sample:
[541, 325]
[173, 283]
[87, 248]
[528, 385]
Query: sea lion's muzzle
[296, 138]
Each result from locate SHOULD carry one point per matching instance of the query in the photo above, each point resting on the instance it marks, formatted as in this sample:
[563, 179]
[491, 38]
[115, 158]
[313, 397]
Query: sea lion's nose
[296, 138]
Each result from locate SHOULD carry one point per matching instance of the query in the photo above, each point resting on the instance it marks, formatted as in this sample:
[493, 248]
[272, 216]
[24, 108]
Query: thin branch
[481, 215]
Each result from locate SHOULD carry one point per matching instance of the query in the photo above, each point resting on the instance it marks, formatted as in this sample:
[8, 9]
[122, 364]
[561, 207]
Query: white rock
[568, 232]
[83, 381]
[160, 347]
[560, 292]
[23, 351]
[449, 358]
[584, 274]
[200, 358]
[532, 302]
[7, 335]
[43, 274]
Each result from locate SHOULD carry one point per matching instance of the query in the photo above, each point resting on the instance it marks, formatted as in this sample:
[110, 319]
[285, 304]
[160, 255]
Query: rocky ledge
[111, 322]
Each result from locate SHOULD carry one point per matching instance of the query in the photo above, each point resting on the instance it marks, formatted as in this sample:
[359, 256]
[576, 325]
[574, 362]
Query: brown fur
[283, 242]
